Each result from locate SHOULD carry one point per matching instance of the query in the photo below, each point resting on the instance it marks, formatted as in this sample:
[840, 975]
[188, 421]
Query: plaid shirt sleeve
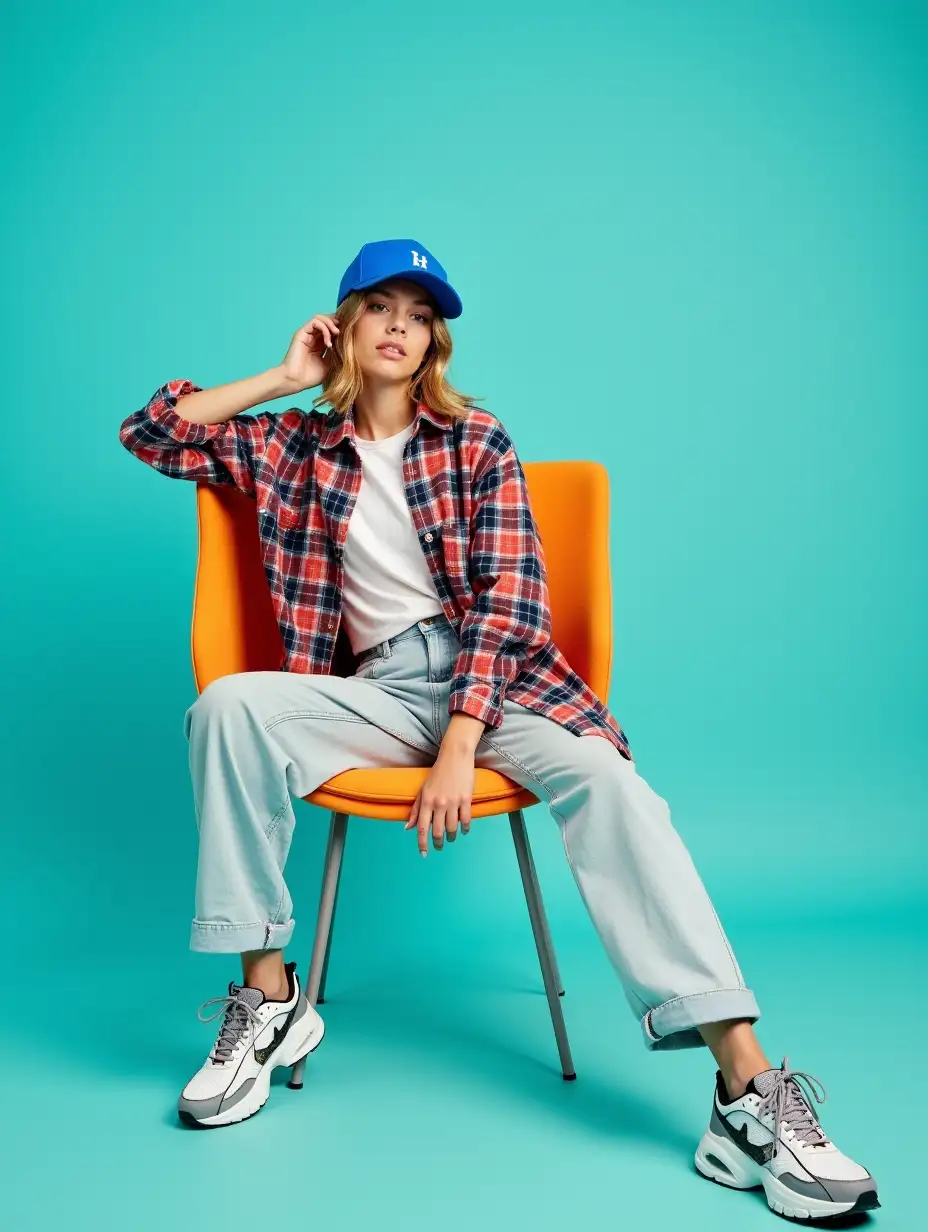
[225, 453]
[510, 618]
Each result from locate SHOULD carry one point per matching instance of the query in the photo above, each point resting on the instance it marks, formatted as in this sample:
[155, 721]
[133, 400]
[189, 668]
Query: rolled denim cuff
[674, 1023]
[223, 938]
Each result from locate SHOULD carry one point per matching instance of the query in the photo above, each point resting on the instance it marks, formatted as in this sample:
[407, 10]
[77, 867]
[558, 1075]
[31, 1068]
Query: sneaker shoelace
[789, 1101]
[239, 1015]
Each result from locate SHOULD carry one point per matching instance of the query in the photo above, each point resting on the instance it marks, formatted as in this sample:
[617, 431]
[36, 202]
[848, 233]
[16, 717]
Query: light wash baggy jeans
[255, 738]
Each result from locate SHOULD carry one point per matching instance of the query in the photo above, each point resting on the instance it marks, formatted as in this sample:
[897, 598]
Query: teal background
[690, 241]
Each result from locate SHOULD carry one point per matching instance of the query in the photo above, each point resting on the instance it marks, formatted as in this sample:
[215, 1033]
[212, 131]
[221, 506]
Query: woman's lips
[391, 354]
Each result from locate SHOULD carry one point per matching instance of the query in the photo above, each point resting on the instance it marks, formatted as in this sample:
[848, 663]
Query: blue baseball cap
[385, 259]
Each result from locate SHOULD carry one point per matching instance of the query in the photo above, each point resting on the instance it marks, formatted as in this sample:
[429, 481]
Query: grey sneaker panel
[764, 1082]
[848, 1191]
[200, 1109]
[715, 1123]
[807, 1189]
[829, 1191]
[251, 996]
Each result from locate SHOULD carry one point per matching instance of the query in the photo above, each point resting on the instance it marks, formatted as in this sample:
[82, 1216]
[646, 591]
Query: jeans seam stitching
[273, 923]
[406, 740]
[436, 689]
[734, 962]
[276, 820]
[275, 719]
[552, 795]
[341, 718]
[643, 1007]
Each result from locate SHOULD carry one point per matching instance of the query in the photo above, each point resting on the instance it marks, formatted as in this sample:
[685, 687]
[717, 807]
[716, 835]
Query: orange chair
[234, 630]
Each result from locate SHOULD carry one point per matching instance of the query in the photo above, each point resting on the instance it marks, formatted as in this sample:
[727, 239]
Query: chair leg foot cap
[570, 1077]
[295, 1086]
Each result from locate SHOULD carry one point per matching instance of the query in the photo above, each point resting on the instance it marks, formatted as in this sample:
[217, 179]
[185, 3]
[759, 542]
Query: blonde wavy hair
[428, 383]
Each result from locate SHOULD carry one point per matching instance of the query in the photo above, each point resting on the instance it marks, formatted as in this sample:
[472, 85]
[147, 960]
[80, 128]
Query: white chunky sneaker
[771, 1137]
[256, 1036]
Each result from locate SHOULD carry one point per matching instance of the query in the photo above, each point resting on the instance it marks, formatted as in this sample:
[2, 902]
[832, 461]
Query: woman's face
[394, 330]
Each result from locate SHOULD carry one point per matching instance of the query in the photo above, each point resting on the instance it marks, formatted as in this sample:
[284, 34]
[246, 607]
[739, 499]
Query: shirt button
[330, 625]
[429, 537]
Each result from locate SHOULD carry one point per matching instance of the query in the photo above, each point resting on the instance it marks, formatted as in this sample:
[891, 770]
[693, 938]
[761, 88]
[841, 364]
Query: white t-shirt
[387, 584]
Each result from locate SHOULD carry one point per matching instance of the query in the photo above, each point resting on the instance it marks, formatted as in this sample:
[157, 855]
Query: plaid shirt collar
[338, 427]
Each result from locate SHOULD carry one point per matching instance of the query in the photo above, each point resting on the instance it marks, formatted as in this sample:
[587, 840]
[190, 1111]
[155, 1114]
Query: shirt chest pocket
[452, 543]
[291, 498]
[290, 504]
[296, 510]
[299, 531]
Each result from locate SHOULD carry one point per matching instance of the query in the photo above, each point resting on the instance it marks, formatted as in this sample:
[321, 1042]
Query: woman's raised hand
[307, 360]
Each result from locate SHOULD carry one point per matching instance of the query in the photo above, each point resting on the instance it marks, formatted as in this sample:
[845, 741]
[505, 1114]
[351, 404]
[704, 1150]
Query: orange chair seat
[389, 794]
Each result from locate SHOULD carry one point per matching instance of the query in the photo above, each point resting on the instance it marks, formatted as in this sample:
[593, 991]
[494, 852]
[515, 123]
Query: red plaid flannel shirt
[467, 495]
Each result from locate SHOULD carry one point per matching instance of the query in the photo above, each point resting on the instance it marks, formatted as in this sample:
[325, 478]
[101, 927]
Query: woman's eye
[421, 315]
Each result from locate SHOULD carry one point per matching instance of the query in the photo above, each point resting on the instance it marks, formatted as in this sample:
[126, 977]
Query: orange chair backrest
[234, 628]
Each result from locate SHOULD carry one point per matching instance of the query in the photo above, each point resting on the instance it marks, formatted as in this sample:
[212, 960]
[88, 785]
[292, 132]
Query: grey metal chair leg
[544, 919]
[333, 863]
[320, 1000]
[536, 913]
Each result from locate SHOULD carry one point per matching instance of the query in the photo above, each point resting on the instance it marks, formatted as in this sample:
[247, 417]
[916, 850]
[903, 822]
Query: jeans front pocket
[369, 662]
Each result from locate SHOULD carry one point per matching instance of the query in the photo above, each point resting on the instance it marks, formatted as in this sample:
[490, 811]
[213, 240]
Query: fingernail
[423, 854]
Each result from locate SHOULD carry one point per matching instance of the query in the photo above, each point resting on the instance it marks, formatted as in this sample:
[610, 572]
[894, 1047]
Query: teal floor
[435, 1101]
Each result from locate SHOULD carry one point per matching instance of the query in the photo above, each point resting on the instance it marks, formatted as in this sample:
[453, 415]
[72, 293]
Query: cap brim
[448, 300]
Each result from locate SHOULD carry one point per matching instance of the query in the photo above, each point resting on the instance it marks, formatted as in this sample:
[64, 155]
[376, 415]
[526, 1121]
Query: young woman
[401, 520]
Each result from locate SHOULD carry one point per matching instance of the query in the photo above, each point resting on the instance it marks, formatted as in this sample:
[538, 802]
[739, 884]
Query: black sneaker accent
[866, 1202]
[262, 1054]
[760, 1154]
